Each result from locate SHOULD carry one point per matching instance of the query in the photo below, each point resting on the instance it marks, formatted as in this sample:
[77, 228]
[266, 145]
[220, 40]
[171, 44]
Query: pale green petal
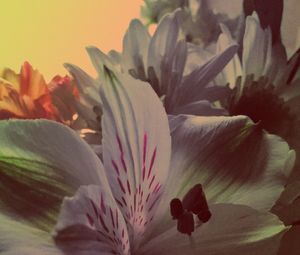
[18, 238]
[234, 160]
[40, 162]
[232, 229]
[287, 207]
[257, 48]
[231, 157]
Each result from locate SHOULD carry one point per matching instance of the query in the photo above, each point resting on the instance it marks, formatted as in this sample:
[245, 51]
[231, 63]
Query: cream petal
[232, 229]
[240, 157]
[87, 86]
[233, 69]
[42, 161]
[233, 159]
[135, 49]
[197, 81]
[91, 222]
[19, 238]
[257, 48]
[163, 42]
[136, 147]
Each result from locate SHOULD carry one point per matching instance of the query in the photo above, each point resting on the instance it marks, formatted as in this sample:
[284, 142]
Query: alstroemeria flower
[27, 95]
[162, 61]
[123, 206]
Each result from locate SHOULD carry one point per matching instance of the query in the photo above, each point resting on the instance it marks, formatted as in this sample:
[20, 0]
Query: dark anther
[176, 208]
[204, 216]
[195, 201]
[186, 224]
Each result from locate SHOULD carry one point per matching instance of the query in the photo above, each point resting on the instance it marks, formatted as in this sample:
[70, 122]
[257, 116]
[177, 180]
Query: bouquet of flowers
[186, 142]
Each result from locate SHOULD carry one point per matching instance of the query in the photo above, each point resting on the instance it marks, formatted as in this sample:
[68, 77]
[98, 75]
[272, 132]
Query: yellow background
[50, 33]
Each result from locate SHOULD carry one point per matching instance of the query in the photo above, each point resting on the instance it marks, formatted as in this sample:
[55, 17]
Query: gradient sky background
[49, 33]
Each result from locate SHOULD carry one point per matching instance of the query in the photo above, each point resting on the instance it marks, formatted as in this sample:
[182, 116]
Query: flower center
[260, 101]
[194, 202]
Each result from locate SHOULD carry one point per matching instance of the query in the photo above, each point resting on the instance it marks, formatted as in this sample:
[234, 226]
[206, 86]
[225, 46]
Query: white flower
[199, 18]
[162, 61]
[122, 207]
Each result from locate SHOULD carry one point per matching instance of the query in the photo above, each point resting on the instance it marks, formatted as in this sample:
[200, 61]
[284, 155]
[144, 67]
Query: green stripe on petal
[32, 189]
[40, 163]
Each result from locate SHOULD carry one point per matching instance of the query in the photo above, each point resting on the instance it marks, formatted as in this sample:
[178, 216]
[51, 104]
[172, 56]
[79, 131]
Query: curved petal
[232, 229]
[233, 159]
[33, 83]
[18, 238]
[11, 77]
[197, 56]
[89, 99]
[163, 42]
[257, 48]
[92, 222]
[87, 86]
[136, 147]
[100, 60]
[135, 49]
[195, 83]
[233, 69]
[40, 162]
[287, 207]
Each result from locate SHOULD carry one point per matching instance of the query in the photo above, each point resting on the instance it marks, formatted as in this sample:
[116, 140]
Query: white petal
[42, 161]
[93, 218]
[197, 56]
[136, 147]
[163, 42]
[135, 49]
[87, 86]
[99, 60]
[233, 69]
[257, 48]
[193, 85]
[232, 229]
[18, 238]
[231, 157]
[89, 95]
[116, 58]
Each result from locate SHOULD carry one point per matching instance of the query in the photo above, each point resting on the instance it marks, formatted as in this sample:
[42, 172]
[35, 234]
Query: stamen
[194, 202]
[186, 224]
[176, 208]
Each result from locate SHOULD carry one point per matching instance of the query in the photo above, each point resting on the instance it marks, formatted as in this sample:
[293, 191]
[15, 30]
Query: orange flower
[27, 95]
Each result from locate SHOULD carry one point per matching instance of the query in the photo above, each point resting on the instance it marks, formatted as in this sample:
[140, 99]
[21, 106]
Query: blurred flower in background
[27, 96]
[163, 61]
[264, 75]
[200, 19]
